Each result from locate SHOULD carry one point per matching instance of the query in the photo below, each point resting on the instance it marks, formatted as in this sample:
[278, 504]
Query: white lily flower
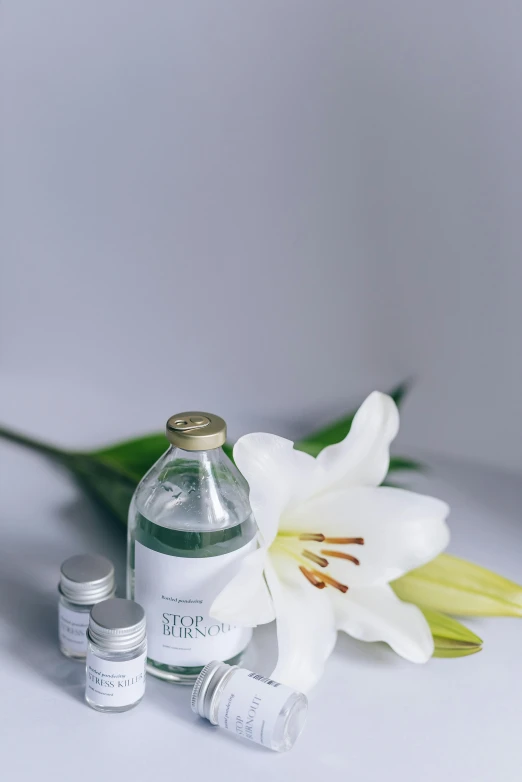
[331, 540]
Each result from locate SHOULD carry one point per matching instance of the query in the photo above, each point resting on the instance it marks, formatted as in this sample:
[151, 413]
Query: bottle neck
[196, 490]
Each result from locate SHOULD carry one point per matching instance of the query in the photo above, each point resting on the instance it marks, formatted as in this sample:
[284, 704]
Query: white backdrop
[263, 208]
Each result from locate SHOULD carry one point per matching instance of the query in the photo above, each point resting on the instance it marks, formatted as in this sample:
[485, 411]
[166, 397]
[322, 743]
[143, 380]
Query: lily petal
[362, 458]
[401, 530]
[278, 477]
[376, 614]
[306, 631]
[246, 601]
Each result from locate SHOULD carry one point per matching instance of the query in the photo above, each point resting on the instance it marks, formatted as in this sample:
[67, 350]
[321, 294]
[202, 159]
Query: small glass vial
[250, 705]
[84, 581]
[116, 655]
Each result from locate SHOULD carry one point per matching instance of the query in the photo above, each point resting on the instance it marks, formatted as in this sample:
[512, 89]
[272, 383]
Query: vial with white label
[249, 705]
[84, 581]
[116, 655]
[190, 526]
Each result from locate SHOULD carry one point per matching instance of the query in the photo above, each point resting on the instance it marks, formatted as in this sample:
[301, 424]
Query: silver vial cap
[117, 624]
[205, 686]
[86, 579]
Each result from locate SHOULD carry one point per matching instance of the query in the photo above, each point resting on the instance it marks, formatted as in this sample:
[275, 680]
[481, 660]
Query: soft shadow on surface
[261, 655]
[30, 618]
[493, 488]
[29, 575]
[358, 653]
[174, 699]
[477, 484]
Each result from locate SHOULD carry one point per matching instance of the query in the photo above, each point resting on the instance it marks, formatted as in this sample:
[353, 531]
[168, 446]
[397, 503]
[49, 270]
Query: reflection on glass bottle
[190, 525]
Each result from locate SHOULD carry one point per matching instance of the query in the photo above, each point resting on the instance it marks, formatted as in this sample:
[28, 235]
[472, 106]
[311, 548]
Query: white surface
[266, 208]
[373, 716]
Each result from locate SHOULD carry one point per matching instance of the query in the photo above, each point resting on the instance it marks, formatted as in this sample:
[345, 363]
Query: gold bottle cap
[196, 431]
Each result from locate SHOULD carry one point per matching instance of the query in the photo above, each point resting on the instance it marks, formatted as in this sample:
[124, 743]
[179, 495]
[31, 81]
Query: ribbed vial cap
[117, 625]
[206, 684]
[86, 579]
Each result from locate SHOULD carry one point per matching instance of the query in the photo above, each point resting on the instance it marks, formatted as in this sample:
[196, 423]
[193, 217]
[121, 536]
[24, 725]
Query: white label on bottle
[177, 593]
[250, 705]
[72, 629]
[115, 683]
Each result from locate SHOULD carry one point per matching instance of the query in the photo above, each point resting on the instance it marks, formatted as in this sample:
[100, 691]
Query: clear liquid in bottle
[190, 526]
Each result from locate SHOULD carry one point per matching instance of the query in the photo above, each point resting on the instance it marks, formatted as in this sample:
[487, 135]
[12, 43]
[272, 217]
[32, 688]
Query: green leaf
[228, 449]
[108, 475]
[337, 430]
[456, 586]
[403, 464]
[309, 447]
[108, 479]
[135, 456]
[451, 638]
[110, 487]
[400, 392]
[111, 474]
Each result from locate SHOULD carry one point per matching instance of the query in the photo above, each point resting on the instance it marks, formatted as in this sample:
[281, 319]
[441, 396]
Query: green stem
[35, 445]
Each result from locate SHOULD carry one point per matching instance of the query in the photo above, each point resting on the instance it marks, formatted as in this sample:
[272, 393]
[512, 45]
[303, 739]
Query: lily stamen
[340, 555]
[312, 578]
[320, 506]
[331, 581]
[321, 561]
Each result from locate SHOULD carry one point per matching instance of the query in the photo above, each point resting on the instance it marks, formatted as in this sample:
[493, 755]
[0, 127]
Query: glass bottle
[190, 526]
[116, 655]
[250, 705]
[84, 581]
